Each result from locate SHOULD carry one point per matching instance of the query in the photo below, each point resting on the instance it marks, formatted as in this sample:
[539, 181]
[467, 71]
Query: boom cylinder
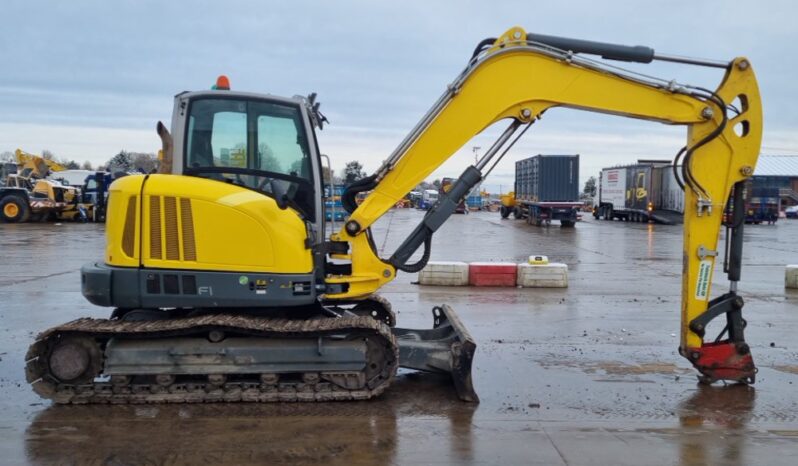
[630, 53]
[736, 233]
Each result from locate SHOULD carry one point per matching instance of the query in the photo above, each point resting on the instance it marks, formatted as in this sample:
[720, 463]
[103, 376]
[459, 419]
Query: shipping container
[547, 178]
[546, 189]
[475, 201]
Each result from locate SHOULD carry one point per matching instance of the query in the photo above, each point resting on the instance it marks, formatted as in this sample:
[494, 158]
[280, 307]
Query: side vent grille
[187, 222]
[155, 227]
[170, 221]
[172, 229]
[129, 233]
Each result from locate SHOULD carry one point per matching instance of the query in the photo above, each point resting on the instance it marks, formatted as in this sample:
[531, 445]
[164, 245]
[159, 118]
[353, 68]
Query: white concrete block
[444, 274]
[551, 275]
[791, 276]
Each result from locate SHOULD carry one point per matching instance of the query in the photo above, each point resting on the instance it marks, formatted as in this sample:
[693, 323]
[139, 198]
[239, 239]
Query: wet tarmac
[584, 375]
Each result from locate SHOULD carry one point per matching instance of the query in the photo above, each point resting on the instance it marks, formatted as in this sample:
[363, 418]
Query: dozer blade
[445, 348]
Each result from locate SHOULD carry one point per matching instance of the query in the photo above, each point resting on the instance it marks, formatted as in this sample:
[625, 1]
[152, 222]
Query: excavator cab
[264, 144]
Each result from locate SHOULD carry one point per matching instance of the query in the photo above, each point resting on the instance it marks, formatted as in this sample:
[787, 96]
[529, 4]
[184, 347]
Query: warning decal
[704, 279]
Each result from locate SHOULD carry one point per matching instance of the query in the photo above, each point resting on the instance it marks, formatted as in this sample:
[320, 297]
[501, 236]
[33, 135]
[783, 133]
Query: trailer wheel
[518, 213]
[534, 218]
[504, 211]
[14, 209]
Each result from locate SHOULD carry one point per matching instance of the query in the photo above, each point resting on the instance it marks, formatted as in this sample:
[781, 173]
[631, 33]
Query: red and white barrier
[499, 274]
[550, 275]
[492, 273]
[444, 274]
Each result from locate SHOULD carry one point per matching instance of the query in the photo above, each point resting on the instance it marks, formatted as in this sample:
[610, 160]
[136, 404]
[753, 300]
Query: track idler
[446, 348]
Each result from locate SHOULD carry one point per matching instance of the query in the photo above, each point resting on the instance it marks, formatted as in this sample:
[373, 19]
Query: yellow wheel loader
[225, 288]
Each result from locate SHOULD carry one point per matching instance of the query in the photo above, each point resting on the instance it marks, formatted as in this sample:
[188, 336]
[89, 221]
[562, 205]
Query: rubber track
[37, 372]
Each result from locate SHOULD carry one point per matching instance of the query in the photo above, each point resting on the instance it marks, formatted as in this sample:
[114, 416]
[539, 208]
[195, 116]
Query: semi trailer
[648, 191]
[642, 192]
[546, 189]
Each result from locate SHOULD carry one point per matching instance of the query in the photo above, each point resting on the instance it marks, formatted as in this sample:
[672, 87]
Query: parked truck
[762, 201]
[546, 189]
[645, 191]
[428, 198]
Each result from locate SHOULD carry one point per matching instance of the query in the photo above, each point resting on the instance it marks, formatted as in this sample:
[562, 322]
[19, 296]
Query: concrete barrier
[492, 274]
[552, 275]
[444, 274]
[791, 276]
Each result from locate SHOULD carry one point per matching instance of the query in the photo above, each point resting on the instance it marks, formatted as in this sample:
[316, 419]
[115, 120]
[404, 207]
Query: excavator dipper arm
[518, 77]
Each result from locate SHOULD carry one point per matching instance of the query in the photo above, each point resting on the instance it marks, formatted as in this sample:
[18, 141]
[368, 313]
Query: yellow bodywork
[183, 222]
[47, 189]
[518, 82]
[36, 165]
[508, 200]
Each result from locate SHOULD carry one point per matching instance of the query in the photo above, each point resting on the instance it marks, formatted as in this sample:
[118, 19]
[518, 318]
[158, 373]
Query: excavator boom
[520, 76]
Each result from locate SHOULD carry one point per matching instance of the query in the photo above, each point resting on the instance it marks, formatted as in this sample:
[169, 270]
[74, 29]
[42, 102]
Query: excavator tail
[446, 348]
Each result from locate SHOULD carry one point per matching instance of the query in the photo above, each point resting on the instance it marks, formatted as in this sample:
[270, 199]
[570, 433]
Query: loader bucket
[446, 348]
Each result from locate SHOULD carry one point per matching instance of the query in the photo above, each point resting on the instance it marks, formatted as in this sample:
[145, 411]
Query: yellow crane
[32, 165]
[226, 289]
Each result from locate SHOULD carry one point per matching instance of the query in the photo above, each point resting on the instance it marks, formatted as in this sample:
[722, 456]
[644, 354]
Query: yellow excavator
[225, 287]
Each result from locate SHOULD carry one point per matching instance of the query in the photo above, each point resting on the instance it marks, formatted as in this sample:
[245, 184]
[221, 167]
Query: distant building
[779, 172]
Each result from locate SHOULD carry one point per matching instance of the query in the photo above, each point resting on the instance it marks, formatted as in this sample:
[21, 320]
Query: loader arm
[518, 78]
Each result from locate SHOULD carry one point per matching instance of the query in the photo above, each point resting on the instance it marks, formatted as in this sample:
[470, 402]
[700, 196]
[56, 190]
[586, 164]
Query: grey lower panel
[162, 288]
[198, 356]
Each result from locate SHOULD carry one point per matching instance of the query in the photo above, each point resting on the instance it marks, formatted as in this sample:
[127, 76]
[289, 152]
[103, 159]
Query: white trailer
[645, 191]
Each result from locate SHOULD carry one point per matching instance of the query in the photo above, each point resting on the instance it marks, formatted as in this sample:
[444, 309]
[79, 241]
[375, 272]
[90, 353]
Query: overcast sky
[85, 79]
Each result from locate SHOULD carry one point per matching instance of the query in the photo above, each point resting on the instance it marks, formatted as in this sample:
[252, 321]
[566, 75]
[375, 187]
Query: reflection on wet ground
[729, 410]
[295, 433]
[585, 375]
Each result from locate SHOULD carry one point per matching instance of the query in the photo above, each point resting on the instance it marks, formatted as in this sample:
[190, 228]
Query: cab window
[264, 145]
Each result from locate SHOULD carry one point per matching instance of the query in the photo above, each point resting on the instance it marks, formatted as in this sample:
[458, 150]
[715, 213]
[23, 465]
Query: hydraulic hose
[349, 197]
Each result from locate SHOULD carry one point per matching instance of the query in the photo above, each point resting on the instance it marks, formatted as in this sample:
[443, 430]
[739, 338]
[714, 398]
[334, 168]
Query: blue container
[474, 202]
